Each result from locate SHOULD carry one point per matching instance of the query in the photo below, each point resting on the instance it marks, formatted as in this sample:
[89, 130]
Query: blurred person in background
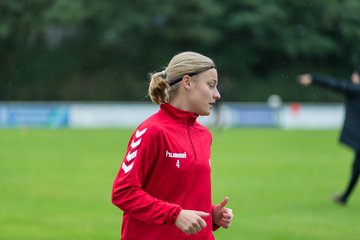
[164, 183]
[218, 108]
[218, 119]
[350, 134]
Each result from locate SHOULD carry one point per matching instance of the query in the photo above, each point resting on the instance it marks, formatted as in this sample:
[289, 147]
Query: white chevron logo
[135, 144]
[140, 133]
[131, 156]
[127, 168]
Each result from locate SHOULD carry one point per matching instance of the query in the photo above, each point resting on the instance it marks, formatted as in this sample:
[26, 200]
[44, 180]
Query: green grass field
[56, 184]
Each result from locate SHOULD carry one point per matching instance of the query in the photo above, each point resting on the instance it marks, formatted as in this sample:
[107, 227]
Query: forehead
[210, 74]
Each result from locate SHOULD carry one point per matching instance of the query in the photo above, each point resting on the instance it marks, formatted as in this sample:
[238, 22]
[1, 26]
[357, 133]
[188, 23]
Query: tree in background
[103, 50]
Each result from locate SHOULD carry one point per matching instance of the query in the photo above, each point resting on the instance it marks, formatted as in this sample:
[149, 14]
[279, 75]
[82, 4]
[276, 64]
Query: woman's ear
[186, 81]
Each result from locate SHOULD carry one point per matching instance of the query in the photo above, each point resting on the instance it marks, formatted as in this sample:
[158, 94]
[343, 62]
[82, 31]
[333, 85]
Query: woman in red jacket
[164, 182]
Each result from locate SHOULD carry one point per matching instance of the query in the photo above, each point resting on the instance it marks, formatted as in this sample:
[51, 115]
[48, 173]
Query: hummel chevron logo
[132, 154]
[140, 133]
[127, 168]
[135, 144]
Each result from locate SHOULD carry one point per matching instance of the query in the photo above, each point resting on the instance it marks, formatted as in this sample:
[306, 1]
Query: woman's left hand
[222, 216]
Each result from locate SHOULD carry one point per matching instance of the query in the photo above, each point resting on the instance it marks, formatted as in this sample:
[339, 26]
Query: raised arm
[325, 81]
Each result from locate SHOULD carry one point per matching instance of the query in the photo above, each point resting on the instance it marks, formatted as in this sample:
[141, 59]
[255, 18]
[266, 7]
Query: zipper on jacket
[191, 141]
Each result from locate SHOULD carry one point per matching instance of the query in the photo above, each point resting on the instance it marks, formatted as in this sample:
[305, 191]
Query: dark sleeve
[334, 84]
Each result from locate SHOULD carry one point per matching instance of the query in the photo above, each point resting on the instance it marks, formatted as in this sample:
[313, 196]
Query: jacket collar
[178, 114]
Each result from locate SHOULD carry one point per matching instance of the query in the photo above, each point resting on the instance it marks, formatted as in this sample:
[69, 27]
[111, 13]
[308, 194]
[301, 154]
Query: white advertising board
[311, 116]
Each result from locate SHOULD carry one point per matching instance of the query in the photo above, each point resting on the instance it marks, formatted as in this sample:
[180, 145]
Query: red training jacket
[166, 168]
